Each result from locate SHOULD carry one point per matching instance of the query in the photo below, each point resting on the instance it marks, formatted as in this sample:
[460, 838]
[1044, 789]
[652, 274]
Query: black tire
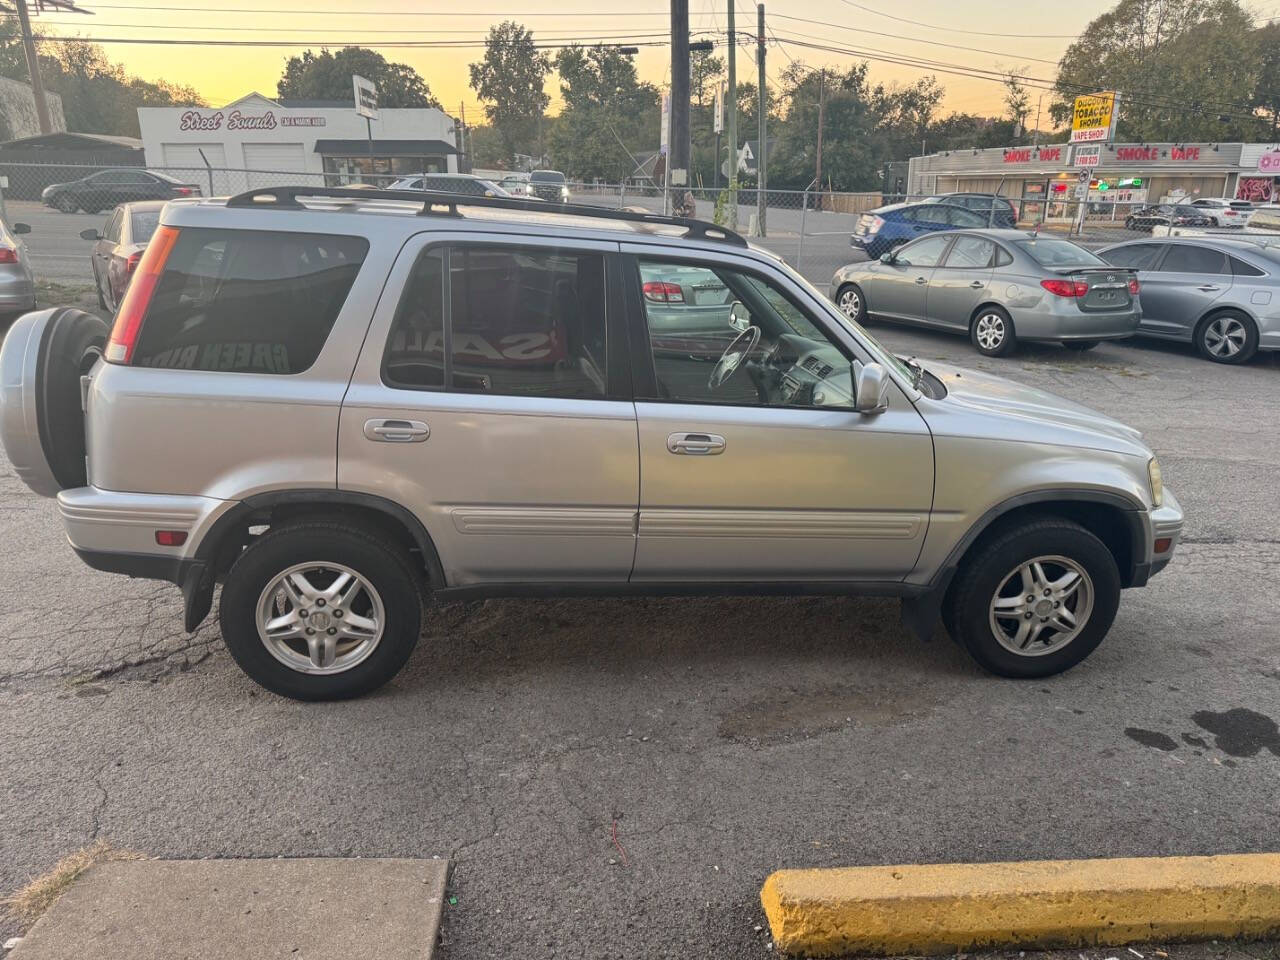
[852, 290]
[1080, 345]
[71, 343]
[1129, 224]
[1228, 321]
[66, 203]
[385, 566]
[983, 572]
[1008, 341]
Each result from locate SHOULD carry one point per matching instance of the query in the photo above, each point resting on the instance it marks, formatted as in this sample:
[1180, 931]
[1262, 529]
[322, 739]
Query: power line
[981, 33]
[310, 12]
[550, 43]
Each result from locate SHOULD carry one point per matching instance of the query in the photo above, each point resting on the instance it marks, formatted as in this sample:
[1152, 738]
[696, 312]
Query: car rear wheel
[1227, 337]
[852, 303]
[321, 611]
[1080, 345]
[1036, 600]
[992, 332]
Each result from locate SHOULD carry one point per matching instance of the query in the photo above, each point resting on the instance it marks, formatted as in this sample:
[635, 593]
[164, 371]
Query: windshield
[1052, 252]
[881, 354]
[144, 224]
[546, 176]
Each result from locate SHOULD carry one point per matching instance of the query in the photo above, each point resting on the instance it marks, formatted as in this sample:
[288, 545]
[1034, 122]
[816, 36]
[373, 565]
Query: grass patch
[29, 903]
[51, 293]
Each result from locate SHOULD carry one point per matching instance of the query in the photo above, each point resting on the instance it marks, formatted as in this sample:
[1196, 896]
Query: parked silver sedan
[997, 286]
[1220, 293]
[17, 288]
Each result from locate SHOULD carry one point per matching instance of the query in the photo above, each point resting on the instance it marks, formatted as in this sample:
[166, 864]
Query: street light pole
[33, 68]
[678, 148]
[731, 208]
[762, 162]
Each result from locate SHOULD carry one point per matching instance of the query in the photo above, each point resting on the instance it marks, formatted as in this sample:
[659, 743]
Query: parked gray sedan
[998, 286]
[17, 288]
[1220, 293]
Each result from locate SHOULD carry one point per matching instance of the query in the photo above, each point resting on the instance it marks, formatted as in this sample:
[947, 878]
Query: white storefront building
[256, 141]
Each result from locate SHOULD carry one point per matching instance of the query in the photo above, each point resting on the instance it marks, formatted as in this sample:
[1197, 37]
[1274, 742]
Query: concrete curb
[945, 908]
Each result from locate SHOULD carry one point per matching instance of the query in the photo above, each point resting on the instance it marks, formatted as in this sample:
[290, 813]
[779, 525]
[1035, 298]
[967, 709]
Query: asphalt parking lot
[615, 778]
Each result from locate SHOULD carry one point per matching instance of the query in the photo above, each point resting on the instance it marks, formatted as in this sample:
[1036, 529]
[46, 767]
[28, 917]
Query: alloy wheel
[990, 331]
[1224, 337]
[320, 618]
[850, 303]
[1041, 606]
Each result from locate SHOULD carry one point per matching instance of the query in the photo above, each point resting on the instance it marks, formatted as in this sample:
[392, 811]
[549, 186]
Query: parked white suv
[338, 402]
[1225, 213]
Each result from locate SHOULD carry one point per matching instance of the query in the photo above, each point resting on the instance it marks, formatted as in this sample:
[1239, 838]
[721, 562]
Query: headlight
[1157, 482]
[564, 192]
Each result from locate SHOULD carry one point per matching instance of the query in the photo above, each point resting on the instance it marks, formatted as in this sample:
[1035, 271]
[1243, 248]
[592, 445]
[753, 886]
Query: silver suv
[337, 403]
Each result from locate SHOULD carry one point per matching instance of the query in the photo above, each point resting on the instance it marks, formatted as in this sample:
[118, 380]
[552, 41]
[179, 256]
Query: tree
[1017, 102]
[509, 80]
[706, 72]
[610, 118]
[327, 76]
[1267, 94]
[1180, 66]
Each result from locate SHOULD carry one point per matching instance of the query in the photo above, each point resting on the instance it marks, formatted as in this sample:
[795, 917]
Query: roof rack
[440, 203]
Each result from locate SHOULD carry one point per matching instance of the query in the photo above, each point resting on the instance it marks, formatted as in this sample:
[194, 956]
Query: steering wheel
[733, 356]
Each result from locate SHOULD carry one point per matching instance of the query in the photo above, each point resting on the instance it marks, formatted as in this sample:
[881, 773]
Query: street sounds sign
[366, 97]
[1093, 119]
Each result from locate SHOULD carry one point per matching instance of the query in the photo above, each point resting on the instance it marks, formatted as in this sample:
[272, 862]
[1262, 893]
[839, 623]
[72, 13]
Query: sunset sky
[1028, 37]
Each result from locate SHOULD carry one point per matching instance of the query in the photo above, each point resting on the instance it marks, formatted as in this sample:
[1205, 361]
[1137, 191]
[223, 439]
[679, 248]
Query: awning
[384, 148]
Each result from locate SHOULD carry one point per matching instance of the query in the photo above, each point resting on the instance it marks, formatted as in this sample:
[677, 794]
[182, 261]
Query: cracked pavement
[615, 778]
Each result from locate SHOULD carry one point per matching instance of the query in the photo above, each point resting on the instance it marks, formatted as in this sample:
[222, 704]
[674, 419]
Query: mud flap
[920, 614]
[197, 595]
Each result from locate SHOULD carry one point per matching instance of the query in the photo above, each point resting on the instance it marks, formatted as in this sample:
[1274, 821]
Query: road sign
[1086, 156]
[1093, 119]
[1084, 176]
[717, 123]
[366, 97]
[664, 134]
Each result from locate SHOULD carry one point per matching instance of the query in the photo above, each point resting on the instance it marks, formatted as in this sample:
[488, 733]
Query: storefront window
[340, 171]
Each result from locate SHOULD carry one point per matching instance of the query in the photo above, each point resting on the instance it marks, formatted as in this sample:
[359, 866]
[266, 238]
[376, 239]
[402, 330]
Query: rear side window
[248, 301]
[1242, 269]
[972, 252]
[1137, 256]
[520, 321]
[1186, 258]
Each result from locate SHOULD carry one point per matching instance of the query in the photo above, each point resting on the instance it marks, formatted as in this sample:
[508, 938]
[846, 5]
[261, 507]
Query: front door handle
[1208, 287]
[396, 431]
[695, 444]
[921, 280]
[977, 285]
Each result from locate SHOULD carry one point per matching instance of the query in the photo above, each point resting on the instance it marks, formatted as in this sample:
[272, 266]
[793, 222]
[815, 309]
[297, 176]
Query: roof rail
[286, 198]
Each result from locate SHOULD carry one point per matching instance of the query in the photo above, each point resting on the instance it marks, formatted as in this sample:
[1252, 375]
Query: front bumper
[1163, 523]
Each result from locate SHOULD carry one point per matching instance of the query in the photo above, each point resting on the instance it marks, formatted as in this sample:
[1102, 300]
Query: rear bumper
[117, 531]
[1054, 323]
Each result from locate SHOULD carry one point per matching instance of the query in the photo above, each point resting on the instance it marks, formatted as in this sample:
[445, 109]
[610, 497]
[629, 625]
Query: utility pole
[732, 107]
[33, 68]
[464, 154]
[762, 161]
[822, 107]
[678, 148]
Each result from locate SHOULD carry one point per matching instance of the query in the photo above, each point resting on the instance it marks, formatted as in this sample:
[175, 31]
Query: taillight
[1066, 288]
[8, 255]
[128, 325]
[661, 292]
[184, 191]
[1133, 286]
[876, 224]
[131, 264]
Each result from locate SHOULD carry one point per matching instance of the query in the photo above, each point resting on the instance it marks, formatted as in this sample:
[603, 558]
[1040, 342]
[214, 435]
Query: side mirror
[888, 258]
[738, 323]
[871, 390]
[21, 228]
[90, 234]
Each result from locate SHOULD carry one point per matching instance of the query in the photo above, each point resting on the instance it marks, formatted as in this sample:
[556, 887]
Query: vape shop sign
[238, 120]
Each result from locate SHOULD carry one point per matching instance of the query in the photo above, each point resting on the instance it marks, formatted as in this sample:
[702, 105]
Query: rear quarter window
[248, 301]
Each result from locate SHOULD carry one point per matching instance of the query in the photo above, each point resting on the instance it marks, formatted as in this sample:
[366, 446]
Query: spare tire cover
[73, 341]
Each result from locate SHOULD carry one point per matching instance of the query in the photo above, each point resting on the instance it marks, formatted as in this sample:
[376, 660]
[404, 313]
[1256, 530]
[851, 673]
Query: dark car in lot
[549, 185]
[994, 208]
[107, 188]
[885, 228]
[118, 248]
[1168, 215]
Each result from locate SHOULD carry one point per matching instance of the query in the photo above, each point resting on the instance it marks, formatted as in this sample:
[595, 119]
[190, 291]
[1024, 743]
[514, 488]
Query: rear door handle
[695, 444]
[977, 285]
[396, 431]
[1208, 287]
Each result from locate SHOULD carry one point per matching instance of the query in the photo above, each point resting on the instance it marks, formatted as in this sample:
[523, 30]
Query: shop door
[267, 161]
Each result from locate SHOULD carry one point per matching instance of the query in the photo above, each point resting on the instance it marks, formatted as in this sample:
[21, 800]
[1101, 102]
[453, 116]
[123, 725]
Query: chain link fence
[812, 230]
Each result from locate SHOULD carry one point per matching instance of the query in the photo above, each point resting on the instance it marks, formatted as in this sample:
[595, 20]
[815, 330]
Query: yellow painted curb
[944, 908]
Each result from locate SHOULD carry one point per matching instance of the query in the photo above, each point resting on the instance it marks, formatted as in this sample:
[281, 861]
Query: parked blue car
[879, 231]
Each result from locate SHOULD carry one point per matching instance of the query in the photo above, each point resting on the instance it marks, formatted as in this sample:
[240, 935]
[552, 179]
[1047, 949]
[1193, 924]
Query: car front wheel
[852, 303]
[321, 611]
[1036, 600]
[992, 332]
